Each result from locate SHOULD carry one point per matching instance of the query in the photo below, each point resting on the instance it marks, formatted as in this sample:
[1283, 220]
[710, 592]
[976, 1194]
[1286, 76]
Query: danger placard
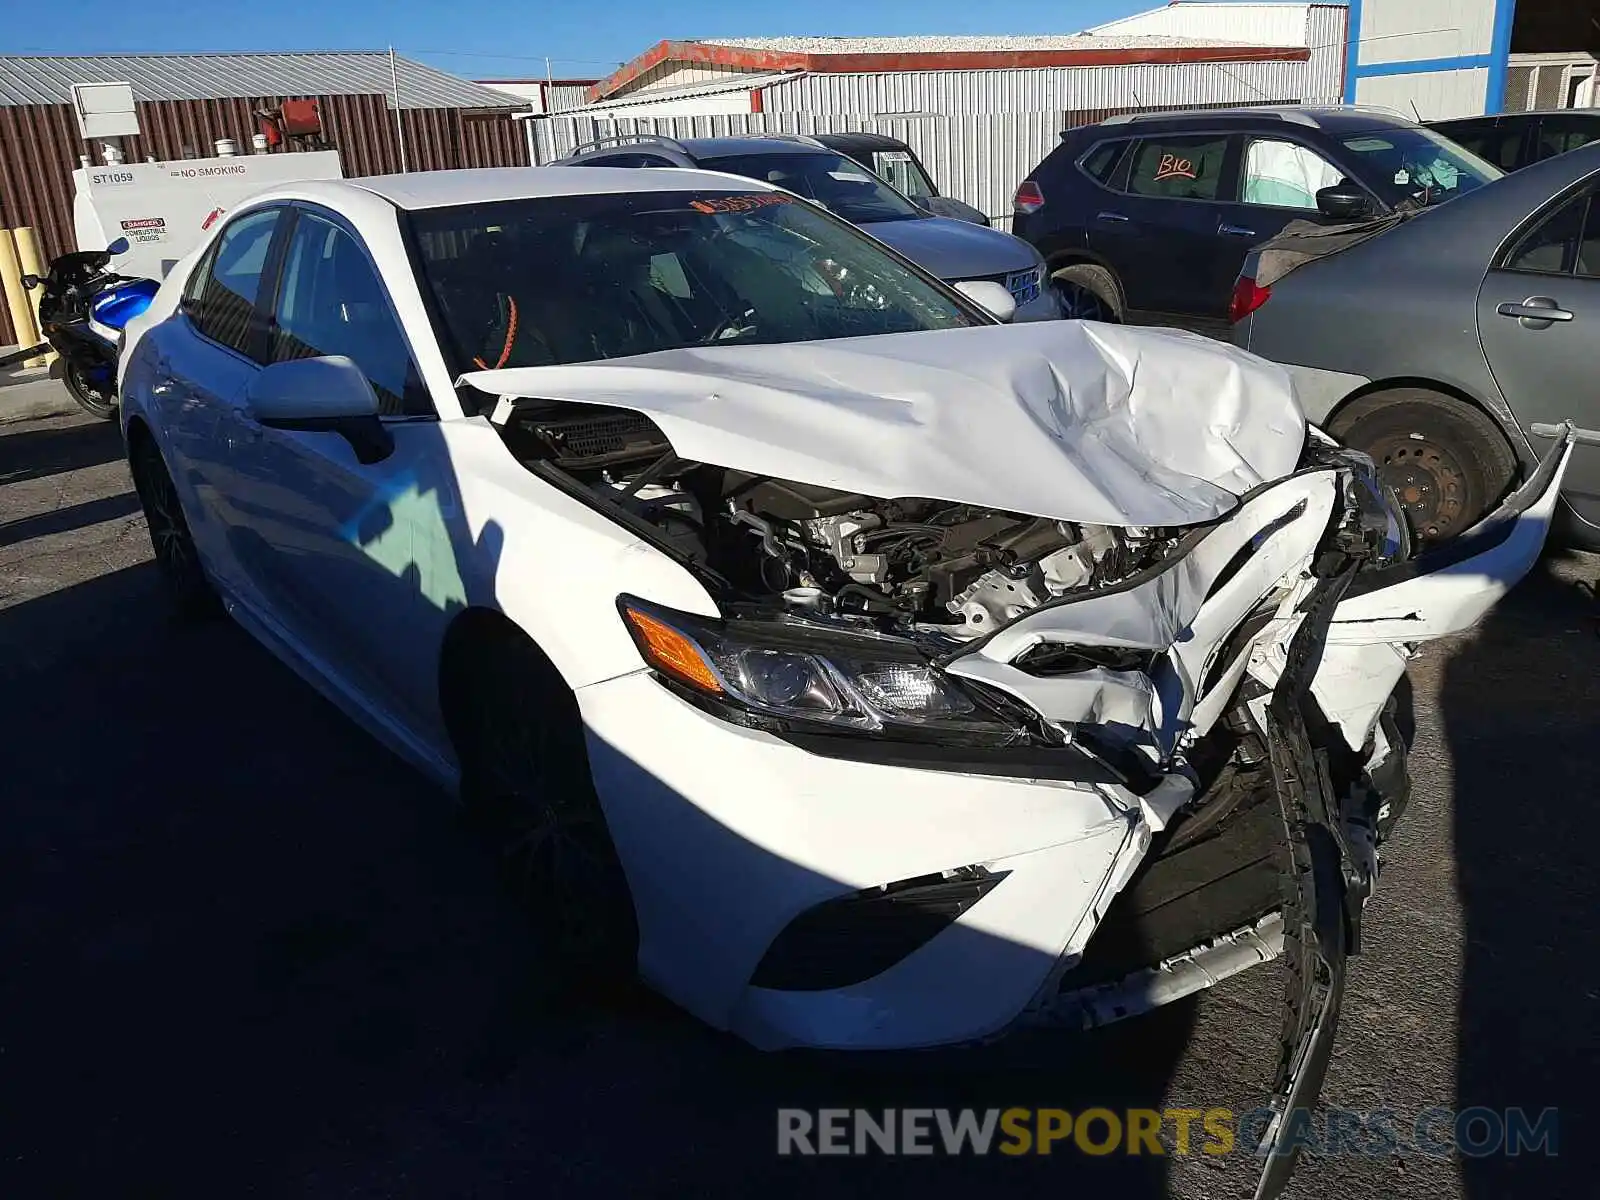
[145, 229]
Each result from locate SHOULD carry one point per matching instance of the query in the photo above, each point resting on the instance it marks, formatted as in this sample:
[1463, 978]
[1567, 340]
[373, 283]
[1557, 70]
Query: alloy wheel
[176, 555]
[1079, 303]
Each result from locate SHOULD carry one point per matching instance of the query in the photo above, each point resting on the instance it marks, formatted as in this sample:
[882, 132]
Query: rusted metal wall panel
[40, 146]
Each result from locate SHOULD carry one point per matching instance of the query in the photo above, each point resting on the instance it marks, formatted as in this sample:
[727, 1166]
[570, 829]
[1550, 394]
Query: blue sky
[511, 37]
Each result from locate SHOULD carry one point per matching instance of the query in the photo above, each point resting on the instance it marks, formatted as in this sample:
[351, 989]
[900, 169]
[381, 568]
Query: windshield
[901, 171]
[567, 279]
[841, 185]
[1418, 165]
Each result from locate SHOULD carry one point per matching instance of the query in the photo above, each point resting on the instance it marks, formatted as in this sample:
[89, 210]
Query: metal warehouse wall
[979, 158]
[1434, 95]
[1043, 89]
[1326, 35]
[40, 145]
[1413, 30]
[1319, 27]
[1435, 58]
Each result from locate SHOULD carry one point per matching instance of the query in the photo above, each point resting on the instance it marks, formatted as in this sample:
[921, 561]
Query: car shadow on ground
[247, 949]
[58, 448]
[1525, 803]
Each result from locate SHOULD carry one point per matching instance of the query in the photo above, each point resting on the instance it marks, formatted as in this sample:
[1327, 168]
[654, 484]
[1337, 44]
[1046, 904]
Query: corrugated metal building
[942, 74]
[980, 111]
[1318, 27]
[186, 102]
[1435, 58]
[544, 95]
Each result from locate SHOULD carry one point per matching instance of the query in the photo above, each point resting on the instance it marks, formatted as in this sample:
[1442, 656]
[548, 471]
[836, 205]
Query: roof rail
[1385, 109]
[803, 138]
[622, 138]
[1294, 115]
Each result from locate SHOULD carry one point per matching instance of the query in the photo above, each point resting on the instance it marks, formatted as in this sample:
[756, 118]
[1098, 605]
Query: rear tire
[1088, 293]
[1447, 460]
[96, 403]
[526, 786]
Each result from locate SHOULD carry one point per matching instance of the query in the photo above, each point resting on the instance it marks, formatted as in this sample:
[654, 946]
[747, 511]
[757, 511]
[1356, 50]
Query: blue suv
[1147, 217]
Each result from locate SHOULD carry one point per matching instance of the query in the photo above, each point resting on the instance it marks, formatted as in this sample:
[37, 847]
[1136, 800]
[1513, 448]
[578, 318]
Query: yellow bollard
[17, 299]
[31, 259]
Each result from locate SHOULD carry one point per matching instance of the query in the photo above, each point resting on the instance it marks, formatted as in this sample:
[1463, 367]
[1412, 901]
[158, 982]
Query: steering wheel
[731, 328]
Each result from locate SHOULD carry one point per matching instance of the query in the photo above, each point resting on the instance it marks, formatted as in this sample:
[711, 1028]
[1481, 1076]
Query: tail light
[1247, 297]
[1029, 197]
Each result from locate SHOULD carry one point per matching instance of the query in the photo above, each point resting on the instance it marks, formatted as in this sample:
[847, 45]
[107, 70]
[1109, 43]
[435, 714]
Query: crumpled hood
[954, 249]
[1076, 421]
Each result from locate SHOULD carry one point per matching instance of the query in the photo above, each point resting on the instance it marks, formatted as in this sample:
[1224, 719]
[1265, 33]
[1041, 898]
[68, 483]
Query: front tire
[1447, 460]
[1088, 293]
[526, 784]
[177, 558]
[97, 402]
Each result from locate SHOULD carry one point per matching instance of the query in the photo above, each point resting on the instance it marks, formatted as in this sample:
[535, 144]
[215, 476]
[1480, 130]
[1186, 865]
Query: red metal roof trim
[710, 54]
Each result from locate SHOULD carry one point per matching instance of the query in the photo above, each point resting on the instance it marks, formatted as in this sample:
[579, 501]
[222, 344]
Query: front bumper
[1045, 307]
[729, 834]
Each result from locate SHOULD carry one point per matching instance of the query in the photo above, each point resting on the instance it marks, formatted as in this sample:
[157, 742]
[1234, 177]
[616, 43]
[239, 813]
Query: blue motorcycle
[82, 314]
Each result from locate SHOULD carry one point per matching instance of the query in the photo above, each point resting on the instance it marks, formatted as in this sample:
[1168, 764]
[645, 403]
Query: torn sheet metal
[1185, 611]
[1451, 587]
[1074, 421]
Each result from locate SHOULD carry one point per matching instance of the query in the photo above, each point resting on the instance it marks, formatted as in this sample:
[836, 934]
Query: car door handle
[1540, 309]
[1235, 230]
[1110, 216]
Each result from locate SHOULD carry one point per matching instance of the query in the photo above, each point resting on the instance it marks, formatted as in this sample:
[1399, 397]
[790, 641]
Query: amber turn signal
[670, 651]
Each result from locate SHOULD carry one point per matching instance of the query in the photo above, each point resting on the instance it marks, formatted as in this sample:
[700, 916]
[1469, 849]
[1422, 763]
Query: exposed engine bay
[956, 570]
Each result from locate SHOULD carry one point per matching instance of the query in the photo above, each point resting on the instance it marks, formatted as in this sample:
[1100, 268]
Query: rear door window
[1566, 242]
[223, 306]
[1491, 141]
[1101, 163]
[1179, 168]
[1558, 135]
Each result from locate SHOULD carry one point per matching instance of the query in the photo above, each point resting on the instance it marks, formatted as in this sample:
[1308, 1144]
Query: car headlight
[1383, 517]
[779, 674]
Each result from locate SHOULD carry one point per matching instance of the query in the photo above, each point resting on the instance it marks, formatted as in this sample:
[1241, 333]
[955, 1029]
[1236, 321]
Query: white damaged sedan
[865, 671]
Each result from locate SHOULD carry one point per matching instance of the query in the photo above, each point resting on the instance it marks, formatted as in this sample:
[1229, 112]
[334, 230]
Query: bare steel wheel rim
[1429, 481]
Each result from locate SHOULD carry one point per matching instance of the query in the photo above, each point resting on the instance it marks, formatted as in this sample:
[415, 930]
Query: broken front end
[949, 767]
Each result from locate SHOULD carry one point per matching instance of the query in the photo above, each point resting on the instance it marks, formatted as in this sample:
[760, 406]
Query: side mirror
[321, 395]
[120, 246]
[992, 297]
[29, 282]
[1343, 202]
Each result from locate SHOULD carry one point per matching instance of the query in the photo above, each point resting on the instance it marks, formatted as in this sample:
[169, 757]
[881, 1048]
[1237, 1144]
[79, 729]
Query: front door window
[1281, 174]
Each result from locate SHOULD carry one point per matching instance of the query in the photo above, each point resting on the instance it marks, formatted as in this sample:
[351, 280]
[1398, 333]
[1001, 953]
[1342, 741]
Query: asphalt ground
[244, 951]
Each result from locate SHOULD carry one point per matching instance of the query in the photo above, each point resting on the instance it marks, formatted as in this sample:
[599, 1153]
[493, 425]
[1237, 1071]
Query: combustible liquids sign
[166, 209]
[145, 229]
